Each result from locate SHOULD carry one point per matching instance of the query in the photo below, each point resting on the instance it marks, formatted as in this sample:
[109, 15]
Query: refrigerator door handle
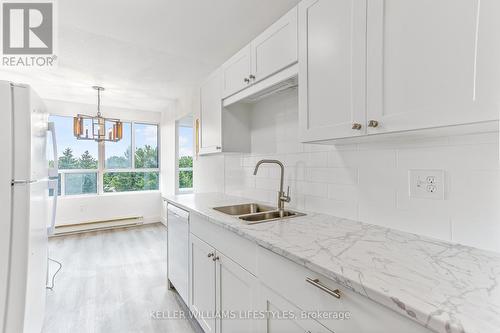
[54, 178]
[54, 170]
[22, 181]
[53, 185]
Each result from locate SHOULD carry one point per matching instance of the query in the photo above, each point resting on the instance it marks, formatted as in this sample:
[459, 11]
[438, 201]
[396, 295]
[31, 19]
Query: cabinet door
[202, 283]
[275, 48]
[211, 115]
[236, 294]
[431, 63]
[236, 72]
[284, 317]
[332, 38]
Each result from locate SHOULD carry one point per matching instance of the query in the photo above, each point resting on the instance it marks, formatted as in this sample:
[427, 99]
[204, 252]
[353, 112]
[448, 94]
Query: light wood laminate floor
[111, 281]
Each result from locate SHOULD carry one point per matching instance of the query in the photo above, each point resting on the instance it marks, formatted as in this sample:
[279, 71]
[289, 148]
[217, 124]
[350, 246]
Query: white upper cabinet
[432, 63]
[275, 48]
[332, 40]
[236, 72]
[381, 66]
[210, 135]
[269, 53]
[221, 129]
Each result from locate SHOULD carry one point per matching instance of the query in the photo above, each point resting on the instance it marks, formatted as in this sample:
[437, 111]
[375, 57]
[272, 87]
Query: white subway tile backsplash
[347, 209]
[472, 139]
[369, 181]
[290, 146]
[291, 173]
[267, 184]
[358, 158]
[475, 208]
[465, 157]
[317, 159]
[343, 192]
[332, 175]
[311, 189]
[395, 143]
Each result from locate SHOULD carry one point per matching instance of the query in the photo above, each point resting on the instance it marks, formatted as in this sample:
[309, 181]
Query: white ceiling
[145, 53]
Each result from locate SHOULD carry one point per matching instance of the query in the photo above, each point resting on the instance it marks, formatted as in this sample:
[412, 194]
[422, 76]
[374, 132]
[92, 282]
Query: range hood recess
[274, 89]
[281, 81]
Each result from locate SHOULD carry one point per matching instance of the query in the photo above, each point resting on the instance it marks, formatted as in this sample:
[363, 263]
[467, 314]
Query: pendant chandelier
[94, 127]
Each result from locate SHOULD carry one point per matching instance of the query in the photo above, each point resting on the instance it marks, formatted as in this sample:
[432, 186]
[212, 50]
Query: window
[185, 154]
[82, 172]
[124, 173]
[78, 160]
[146, 147]
[119, 154]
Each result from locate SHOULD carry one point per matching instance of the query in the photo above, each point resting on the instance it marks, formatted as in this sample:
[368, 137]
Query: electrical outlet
[427, 184]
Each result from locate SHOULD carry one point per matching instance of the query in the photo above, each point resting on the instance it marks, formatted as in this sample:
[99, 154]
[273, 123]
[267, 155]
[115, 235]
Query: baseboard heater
[125, 222]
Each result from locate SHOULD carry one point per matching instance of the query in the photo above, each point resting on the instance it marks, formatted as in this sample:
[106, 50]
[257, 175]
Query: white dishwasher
[178, 249]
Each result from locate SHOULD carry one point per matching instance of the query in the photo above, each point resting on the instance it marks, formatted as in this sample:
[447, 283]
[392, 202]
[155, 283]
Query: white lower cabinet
[284, 317]
[202, 270]
[224, 294]
[237, 286]
[236, 297]
[350, 313]
[164, 211]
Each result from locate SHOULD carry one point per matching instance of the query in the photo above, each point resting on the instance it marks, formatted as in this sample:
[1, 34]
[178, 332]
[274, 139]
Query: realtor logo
[28, 30]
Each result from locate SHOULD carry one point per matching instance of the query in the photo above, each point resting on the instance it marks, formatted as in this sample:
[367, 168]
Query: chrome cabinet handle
[252, 77]
[373, 123]
[315, 282]
[246, 80]
[215, 258]
[356, 126]
[211, 254]
[218, 147]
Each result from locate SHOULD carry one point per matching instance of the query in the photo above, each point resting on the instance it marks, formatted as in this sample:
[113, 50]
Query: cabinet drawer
[289, 280]
[233, 246]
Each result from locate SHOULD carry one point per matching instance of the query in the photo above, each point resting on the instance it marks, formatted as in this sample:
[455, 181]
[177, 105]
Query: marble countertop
[444, 286]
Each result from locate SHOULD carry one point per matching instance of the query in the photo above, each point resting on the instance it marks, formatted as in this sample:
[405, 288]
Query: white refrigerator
[27, 211]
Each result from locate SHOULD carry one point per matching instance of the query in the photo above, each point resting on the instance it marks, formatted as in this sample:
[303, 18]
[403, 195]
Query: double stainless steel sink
[252, 213]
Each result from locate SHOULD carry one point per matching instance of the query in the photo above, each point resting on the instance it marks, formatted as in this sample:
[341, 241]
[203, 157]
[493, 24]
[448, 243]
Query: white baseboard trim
[151, 219]
[104, 225]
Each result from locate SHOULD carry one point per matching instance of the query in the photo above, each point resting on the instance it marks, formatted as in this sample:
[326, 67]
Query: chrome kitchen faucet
[282, 198]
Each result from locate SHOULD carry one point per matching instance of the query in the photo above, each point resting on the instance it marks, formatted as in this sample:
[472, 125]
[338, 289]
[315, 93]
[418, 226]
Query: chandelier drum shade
[97, 128]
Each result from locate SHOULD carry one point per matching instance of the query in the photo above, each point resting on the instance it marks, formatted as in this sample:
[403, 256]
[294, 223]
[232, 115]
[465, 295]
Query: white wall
[64, 108]
[185, 105]
[208, 171]
[89, 208]
[369, 181]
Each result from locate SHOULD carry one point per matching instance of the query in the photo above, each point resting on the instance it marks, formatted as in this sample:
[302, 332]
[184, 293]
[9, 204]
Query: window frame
[101, 163]
[178, 189]
[100, 188]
